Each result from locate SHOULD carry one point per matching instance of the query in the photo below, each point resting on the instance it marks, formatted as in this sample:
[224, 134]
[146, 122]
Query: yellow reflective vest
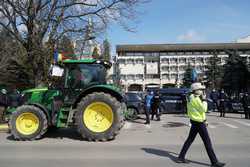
[196, 108]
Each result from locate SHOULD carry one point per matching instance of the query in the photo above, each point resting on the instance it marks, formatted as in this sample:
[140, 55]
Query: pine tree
[106, 50]
[235, 77]
[14, 66]
[214, 72]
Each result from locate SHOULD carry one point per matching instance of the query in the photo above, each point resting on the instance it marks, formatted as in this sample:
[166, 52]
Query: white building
[141, 66]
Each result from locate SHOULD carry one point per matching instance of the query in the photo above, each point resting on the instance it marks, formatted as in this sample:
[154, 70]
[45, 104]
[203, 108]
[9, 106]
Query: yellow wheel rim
[98, 117]
[27, 123]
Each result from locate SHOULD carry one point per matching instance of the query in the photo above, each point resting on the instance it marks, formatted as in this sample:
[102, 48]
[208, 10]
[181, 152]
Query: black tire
[117, 123]
[42, 127]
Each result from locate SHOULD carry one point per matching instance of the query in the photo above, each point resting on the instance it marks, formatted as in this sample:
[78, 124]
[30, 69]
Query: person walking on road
[156, 100]
[148, 109]
[214, 98]
[246, 105]
[197, 108]
[222, 103]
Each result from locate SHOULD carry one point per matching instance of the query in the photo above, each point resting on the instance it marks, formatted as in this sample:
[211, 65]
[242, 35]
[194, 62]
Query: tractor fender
[44, 110]
[99, 88]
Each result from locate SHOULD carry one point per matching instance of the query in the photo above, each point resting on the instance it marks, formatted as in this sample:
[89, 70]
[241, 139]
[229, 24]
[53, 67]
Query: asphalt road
[137, 145]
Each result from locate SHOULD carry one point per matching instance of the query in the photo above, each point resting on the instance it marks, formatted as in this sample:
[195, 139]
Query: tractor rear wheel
[99, 117]
[28, 123]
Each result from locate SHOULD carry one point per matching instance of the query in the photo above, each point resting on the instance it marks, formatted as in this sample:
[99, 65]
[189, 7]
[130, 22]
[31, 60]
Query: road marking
[229, 125]
[242, 122]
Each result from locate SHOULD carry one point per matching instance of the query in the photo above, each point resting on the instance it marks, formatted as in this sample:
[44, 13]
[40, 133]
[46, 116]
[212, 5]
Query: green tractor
[82, 100]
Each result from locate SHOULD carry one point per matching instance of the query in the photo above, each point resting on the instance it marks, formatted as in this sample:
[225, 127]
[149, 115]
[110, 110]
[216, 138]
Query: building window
[163, 54]
[147, 54]
[130, 77]
[138, 54]
[139, 76]
[139, 61]
[205, 53]
[152, 76]
[129, 54]
[188, 53]
[130, 61]
[197, 53]
[180, 53]
[121, 61]
[155, 54]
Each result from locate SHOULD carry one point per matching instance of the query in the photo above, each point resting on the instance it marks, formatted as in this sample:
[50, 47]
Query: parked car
[135, 103]
[173, 100]
[234, 105]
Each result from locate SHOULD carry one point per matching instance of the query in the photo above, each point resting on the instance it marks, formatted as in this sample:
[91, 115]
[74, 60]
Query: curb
[4, 128]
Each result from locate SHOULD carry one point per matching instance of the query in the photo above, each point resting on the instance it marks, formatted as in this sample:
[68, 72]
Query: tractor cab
[79, 74]
[73, 76]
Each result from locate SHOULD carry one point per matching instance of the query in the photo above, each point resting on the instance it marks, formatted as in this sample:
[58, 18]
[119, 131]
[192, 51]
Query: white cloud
[191, 36]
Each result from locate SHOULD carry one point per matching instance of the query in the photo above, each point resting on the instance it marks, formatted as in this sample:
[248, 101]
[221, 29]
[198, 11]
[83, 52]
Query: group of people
[220, 100]
[152, 103]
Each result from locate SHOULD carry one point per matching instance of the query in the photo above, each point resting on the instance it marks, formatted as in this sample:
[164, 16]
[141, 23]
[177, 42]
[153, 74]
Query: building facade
[164, 65]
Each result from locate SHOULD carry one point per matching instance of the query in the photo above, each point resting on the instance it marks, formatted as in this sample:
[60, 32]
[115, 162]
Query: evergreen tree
[106, 50]
[235, 77]
[14, 66]
[187, 79]
[214, 72]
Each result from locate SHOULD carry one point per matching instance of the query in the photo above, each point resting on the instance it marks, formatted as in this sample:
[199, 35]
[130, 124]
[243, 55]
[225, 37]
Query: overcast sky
[186, 21]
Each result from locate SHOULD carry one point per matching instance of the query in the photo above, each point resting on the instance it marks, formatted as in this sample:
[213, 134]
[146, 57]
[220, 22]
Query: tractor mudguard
[109, 89]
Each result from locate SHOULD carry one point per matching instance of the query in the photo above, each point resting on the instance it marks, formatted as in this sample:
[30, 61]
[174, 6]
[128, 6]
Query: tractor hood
[35, 90]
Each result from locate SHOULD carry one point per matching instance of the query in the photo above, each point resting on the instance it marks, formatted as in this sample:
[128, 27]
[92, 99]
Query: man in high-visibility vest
[196, 109]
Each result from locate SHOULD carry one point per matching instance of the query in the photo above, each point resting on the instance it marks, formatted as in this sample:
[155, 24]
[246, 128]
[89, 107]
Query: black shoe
[147, 123]
[218, 164]
[181, 160]
[158, 119]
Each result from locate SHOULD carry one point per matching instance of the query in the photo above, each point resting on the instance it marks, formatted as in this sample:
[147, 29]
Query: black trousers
[215, 105]
[222, 110]
[155, 111]
[147, 113]
[202, 130]
[247, 112]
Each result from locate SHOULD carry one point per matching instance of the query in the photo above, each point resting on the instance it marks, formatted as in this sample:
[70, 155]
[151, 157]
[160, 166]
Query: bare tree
[34, 22]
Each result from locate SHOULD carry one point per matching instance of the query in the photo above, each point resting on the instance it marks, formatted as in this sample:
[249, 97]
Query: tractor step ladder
[63, 117]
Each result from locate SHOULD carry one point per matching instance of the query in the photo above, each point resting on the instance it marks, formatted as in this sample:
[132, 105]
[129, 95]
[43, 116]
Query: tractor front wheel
[28, 123]
[99, 117]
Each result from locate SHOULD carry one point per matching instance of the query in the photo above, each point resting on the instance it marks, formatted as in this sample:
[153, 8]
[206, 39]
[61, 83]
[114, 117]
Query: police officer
[148, 102]
[156, 100]
[246, 105]
[214, 97]
[197, 107]
[223, 102]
